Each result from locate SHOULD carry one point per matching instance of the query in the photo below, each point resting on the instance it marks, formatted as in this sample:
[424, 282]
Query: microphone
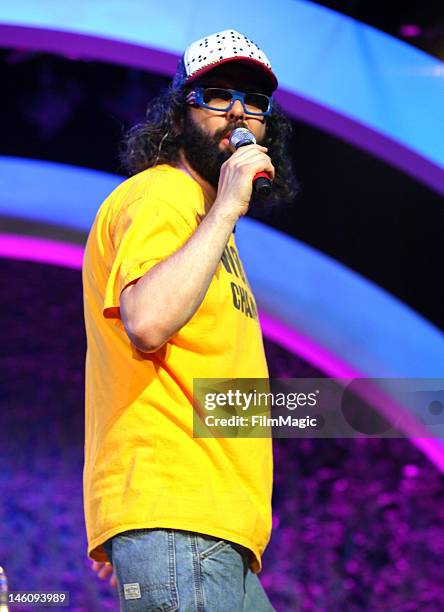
[241, 137]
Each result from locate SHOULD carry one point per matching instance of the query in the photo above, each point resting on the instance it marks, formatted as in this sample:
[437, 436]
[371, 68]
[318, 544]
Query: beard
[203, 152]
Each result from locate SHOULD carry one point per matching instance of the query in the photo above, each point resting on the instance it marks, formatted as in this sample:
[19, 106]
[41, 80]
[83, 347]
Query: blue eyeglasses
[219, 99]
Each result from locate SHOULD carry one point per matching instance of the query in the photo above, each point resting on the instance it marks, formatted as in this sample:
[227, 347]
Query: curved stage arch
[340, 75]
[329, 315]
[308, 291]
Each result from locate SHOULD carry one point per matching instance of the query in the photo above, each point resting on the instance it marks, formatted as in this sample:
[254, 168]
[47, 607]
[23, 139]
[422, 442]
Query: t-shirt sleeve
[144, 234]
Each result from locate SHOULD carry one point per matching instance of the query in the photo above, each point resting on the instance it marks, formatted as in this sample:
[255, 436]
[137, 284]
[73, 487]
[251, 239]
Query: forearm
[168, 295]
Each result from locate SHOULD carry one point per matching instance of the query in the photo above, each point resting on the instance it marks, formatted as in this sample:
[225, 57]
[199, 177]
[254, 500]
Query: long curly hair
[158, 139]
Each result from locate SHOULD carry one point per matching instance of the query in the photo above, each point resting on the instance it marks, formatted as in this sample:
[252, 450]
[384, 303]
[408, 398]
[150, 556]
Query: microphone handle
[262, 183]
[261, 180]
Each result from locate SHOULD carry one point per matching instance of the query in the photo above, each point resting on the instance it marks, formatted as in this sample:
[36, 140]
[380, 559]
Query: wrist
[224, 214]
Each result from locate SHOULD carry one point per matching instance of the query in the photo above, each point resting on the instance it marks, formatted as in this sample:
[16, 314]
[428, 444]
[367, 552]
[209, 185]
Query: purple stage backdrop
[357, 523]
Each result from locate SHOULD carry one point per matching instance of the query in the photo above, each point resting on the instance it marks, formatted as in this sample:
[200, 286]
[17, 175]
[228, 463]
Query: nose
[236, 111]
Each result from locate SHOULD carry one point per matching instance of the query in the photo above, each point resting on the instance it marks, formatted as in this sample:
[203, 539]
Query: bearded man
[182, 520]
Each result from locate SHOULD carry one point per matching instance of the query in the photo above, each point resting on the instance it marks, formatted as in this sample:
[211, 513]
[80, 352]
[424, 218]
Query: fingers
[248, 151]
[248, 154]
[106, 571]
[96, 566]
[236, 179]
[262, 164]
[103, 569]
[253, 161]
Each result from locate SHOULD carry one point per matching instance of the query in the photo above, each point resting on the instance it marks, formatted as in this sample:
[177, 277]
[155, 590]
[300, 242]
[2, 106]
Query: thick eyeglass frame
[196, 96]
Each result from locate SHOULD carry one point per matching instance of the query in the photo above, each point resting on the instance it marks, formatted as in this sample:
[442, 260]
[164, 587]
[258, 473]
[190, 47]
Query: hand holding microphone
[241, 137]
[248, 165]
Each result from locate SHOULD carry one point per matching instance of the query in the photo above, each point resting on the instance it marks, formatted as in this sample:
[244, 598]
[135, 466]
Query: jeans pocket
[145, 566]
[222, 571]
[209, 546]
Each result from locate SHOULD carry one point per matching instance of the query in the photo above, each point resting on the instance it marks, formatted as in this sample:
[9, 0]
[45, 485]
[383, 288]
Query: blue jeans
[169, 570]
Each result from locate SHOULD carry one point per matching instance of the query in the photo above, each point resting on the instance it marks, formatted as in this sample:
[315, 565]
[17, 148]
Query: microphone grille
[240, 137]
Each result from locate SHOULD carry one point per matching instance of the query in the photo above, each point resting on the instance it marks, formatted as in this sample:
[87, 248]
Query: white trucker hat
[207, 53]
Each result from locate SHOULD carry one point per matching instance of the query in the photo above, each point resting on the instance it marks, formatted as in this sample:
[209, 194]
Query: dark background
[391, 15]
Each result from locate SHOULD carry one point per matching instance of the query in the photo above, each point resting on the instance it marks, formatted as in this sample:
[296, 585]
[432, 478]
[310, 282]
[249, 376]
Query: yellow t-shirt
[143, 468]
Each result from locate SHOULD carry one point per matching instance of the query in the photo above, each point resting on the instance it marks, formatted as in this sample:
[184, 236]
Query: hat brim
[267, 75]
